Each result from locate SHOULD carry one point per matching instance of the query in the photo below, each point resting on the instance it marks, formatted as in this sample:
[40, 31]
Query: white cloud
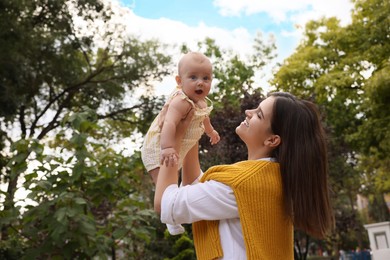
[277, 9]
[172, 32]
[287, 10]
[175, 32]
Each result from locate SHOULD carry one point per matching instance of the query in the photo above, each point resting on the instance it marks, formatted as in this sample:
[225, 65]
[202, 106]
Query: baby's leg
[154, 174]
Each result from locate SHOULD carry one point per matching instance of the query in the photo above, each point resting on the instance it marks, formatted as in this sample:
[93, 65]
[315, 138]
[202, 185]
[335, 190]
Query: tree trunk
[9, 203]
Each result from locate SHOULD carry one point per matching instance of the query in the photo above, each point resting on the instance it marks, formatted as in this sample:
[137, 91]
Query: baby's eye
[193, 77]
[206, 78]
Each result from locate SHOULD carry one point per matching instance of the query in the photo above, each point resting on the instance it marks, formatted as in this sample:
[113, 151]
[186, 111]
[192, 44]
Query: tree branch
[121, 111]
[83, 51]
[70, 89]
[54, 122]
[22, 122]
[33, 126]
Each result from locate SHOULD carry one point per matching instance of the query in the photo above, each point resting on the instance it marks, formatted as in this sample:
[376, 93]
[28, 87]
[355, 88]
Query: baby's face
[196, 77]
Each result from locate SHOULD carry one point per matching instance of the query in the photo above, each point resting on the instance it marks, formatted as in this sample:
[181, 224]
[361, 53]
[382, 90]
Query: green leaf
[60, 214]
[80, 201]
[87, 228]
[58, 232]
[72, 212]
[44, 184]
[119, 233]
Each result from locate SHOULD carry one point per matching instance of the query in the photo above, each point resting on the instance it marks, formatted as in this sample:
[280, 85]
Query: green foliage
[64, 106]
[65, 102]
[183, 247]
[52, 69]
[85, 204]
[345, 71]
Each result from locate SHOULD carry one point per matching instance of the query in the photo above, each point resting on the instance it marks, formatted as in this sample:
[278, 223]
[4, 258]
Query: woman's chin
[238, 130]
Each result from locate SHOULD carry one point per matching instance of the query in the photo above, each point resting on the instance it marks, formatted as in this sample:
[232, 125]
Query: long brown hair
[302, 156]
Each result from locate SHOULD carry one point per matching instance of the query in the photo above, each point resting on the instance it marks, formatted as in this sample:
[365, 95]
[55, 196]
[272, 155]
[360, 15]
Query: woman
[247, 210]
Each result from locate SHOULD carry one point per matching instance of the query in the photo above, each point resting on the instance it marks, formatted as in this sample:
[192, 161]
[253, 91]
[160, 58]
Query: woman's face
[256, 128]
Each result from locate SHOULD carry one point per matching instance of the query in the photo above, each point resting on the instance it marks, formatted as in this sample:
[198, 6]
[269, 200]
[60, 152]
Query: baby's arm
[177, 110]
[210, 131]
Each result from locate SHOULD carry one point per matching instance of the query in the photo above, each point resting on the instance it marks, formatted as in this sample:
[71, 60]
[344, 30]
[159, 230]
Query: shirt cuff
[197, 180]
[167, 203]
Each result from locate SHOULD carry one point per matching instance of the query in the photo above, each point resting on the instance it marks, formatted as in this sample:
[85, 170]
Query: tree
[67, 82]
[372, 136]
[343, 70]
[88, 204]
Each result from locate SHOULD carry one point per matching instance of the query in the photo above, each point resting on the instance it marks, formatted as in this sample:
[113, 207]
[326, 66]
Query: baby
[195, 74]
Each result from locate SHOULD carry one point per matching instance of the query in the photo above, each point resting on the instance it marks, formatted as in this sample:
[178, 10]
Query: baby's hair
[193, 55]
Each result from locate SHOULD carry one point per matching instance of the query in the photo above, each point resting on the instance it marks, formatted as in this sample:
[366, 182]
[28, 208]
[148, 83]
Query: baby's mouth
[199, 91]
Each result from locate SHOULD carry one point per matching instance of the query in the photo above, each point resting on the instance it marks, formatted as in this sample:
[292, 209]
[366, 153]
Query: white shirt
[210, 200]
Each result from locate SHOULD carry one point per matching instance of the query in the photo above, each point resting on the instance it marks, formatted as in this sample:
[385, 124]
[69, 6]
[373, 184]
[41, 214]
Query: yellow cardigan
[267, 231]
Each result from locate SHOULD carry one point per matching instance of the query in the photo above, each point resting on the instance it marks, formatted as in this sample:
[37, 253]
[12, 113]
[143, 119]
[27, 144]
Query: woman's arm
[191, 166]
[166, 176]
[210, 200]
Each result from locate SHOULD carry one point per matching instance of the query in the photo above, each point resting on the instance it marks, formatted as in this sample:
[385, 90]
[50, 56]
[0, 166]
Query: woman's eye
[259, 113]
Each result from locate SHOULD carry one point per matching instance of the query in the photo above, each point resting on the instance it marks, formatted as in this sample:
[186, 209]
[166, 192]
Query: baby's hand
[214, 137]
[169, 156]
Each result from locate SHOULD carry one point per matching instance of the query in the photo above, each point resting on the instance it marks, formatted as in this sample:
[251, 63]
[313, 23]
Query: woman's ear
[178, 80]
[273, 141]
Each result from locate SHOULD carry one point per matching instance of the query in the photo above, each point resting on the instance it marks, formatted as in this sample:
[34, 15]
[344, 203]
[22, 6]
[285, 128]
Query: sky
[233, 24]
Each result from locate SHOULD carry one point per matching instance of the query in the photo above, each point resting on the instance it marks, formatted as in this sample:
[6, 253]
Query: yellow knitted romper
[150, 151]
[267, 231]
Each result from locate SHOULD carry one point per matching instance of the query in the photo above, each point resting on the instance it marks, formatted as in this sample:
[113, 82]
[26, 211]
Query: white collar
[270, 159]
